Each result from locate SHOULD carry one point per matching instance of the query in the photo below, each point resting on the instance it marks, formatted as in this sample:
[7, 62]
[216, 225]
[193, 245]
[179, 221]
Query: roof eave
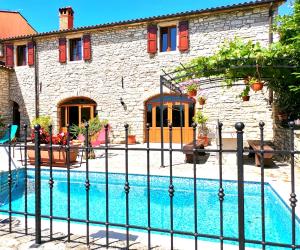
[153, 18]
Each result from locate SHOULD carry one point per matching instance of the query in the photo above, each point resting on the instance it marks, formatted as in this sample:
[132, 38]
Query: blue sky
[43, 14]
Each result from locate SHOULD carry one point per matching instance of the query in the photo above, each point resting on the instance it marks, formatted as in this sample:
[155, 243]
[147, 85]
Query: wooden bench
[255, 145]
[188, 151]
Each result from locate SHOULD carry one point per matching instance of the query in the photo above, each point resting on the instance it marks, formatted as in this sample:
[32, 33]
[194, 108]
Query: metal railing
[241, 240]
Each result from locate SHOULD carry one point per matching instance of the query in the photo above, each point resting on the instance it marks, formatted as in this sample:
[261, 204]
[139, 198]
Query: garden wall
[282, 141]
[4, 94]
[121, 53]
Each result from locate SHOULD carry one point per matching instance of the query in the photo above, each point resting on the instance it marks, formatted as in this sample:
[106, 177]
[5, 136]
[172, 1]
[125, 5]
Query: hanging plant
[202, 100]
[245, 94]
[191, 89]
[256, 84]
[202, 97]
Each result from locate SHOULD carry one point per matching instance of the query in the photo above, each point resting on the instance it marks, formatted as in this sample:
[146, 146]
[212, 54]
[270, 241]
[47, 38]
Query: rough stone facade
[121, 52]
[4, 94]
[283, 141]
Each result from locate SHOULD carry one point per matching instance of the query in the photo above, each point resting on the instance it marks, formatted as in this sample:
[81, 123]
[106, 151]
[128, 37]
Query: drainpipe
[36, 79]
[271, 18]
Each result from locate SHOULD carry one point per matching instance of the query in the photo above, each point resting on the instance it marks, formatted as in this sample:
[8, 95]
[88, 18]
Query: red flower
[59, 139]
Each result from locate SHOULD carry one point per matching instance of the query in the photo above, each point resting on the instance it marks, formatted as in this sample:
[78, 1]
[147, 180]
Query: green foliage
[237, 59]
[1, 122]
[43, 121]
[191, 87]
[245, 91]
[95, 125]
[200, 118]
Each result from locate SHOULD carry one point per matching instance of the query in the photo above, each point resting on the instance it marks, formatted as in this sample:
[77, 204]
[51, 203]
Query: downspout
[36, 79]
[271, 19]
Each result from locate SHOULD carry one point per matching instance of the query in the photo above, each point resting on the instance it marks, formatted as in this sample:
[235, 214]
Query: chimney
[66, 18]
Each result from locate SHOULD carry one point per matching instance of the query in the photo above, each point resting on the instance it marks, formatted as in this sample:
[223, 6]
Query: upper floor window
[21, 55]
[165, 37]
[168, 38]
[75, 49]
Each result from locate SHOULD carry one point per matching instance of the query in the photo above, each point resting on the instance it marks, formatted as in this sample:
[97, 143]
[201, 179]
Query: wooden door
[178, 113]
[75, 114]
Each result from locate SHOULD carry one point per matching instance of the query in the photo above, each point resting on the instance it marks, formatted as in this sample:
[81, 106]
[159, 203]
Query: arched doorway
[16, 117]
[75, 111]
[179, 110]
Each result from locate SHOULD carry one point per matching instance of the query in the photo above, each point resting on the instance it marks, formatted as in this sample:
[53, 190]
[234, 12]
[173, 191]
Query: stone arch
[75, 110]
[16, 105]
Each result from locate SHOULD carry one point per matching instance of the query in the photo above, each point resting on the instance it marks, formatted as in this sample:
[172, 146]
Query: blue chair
[6, 137]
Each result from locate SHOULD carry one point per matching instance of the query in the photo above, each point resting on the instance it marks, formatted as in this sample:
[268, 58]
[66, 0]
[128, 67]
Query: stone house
[113, 70]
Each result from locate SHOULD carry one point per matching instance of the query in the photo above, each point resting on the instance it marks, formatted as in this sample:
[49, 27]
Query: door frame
[169, 103]
[64, 104]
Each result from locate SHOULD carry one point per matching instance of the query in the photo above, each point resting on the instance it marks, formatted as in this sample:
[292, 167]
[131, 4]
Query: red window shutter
[183, 36]
[30, 53]
[62, 50]
[87, 55]
[9, 55]
[152, 39]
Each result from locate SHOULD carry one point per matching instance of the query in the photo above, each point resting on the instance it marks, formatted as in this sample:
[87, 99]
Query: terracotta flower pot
[131, 139]
[246, 98]
[59, 156]
[203, 140]
[192, 93]
[202, 101]
[257, 86]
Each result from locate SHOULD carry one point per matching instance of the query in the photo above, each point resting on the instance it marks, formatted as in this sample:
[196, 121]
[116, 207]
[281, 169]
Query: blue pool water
[278, 215]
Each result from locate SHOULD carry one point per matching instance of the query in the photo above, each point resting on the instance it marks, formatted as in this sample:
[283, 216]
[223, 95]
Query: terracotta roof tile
[14, 24]
[155, 18]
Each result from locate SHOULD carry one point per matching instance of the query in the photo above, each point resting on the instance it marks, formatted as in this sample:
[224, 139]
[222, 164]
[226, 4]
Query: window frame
[17, 55]
[159, 37]
[69, 54]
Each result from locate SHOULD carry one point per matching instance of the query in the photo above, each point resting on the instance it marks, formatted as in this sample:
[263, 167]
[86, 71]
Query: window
[1, 50]
[168, 38]
[75, 49]
[21, 55]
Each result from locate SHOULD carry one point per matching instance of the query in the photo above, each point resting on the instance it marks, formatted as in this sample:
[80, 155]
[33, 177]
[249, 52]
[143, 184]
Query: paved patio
[278, 176]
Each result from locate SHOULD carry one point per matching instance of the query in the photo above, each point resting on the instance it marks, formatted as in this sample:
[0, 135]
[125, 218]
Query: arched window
[76, 111]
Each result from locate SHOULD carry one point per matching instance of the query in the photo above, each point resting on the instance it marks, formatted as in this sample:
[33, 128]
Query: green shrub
[1, 122]
[43, 121]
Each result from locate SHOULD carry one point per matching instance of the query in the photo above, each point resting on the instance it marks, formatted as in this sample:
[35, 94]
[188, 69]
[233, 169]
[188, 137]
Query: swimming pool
[277, 214]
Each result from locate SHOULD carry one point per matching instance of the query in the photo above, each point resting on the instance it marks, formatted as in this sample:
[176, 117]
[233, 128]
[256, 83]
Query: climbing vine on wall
[278, 65]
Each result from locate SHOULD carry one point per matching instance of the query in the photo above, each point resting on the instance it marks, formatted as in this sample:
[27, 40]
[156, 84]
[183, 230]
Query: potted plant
[245, 94]
[191, 89]
[131, 137]
[94, 130]
[59, 153]
[202, 98]
[201, 120]
[256, 84]
[283, 108]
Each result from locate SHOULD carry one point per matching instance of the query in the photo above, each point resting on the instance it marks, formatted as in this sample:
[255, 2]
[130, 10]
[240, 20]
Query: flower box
[59, 155]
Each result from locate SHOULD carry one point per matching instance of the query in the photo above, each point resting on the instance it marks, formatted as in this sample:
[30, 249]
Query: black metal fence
[241, 240]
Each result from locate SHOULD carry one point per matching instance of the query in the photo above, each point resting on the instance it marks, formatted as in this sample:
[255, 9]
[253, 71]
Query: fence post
[239, 126]
[37, 149]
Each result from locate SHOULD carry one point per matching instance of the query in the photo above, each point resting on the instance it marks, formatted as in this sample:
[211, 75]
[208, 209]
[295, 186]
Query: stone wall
[4, 94]
[283, 141]
[121, 52]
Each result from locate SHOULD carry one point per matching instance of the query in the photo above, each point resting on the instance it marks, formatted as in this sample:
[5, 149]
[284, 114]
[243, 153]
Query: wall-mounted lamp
[123, 103]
